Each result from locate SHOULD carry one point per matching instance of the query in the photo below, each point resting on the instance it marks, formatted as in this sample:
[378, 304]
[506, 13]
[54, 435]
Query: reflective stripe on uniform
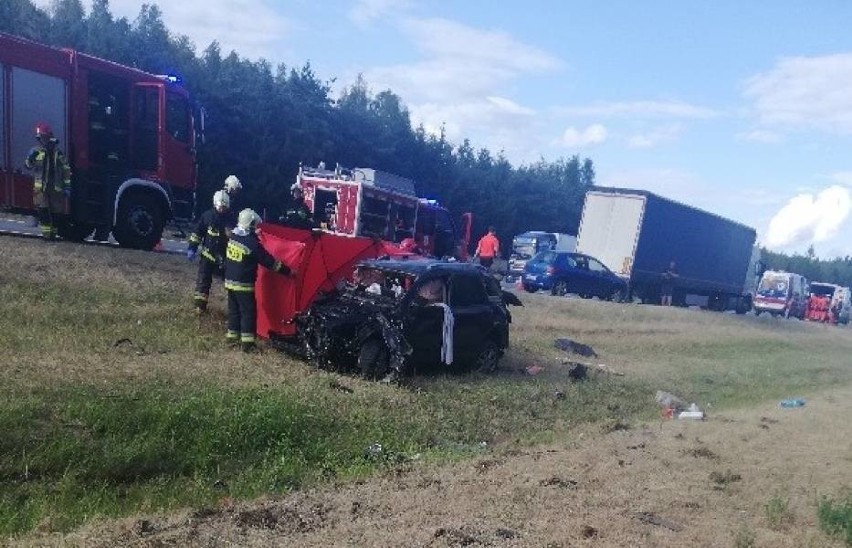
[201, 297]
[247, 337]
[207, 255]
[232, 335]
[213, 232]
[239, 286]
[194, 239]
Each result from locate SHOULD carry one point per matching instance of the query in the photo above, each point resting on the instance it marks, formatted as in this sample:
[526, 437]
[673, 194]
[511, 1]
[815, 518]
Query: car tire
[529, 288]
[560, 288]
[373, 359]
[488, 358]
[616, 296]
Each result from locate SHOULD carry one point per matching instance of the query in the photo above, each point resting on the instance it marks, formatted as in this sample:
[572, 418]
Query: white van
[782, 294]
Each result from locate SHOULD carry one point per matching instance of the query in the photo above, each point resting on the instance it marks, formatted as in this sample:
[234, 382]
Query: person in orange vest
[488, 248]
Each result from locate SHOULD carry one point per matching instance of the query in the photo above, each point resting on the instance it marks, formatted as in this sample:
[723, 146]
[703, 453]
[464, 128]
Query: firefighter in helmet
[233, 187]
[244, 254]
[297, 214]
[51, 179]
[209, 240]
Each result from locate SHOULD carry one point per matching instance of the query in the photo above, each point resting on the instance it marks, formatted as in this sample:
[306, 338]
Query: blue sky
[741, 108]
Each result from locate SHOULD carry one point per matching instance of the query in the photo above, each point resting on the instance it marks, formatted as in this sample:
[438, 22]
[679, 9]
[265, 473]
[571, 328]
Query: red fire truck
[129, 137]
[373, 203]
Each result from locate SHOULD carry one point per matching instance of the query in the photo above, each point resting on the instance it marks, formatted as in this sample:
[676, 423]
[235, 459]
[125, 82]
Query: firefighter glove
[190, 254]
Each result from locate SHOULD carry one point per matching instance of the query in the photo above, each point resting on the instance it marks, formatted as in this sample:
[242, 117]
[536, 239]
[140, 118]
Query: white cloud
[595, 134]
[655, 137]
[805, 92]
[367, 11]
[809, 218]
[640, 109]
[760, 136]
[251, 27]
[460, 83]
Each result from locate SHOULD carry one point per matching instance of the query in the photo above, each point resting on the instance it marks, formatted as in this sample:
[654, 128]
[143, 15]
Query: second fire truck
[373, 203]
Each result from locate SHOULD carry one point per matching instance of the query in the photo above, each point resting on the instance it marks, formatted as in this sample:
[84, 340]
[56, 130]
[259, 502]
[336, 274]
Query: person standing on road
[209, 240]
[51, 179]
[242, 257]
[488, 248]
[667, 285]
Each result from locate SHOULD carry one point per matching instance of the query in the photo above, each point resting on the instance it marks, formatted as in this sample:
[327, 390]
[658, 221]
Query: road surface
[25, 226]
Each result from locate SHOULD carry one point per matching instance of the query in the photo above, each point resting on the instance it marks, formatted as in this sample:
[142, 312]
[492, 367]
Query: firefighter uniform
[297, 215]
[209, 239]
[51, 180]
[243, 255]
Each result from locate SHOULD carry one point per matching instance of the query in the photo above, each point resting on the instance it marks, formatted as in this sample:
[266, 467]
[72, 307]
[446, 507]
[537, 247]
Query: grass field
[116, 399]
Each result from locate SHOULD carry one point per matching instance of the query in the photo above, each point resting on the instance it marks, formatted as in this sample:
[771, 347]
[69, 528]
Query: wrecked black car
[401, 316]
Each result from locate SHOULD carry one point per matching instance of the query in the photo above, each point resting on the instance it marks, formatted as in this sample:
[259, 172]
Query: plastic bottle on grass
[791, 403]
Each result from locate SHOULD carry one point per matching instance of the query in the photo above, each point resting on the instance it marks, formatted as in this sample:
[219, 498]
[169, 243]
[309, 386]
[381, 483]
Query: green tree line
[837, 270]
[264, 120]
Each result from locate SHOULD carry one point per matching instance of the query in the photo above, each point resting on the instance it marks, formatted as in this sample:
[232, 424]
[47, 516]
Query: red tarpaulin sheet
[321, 260]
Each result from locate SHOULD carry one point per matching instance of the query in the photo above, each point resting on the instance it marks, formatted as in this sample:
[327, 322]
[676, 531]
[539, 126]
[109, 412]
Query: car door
[424, 324]
[599, 277]
[472, 314]
[579, 277]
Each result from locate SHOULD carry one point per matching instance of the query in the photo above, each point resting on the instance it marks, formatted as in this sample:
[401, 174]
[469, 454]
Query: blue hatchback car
[562, 272]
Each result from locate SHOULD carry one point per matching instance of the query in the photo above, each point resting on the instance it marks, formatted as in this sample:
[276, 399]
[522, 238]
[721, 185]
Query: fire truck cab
[372, 203]
[128, 135]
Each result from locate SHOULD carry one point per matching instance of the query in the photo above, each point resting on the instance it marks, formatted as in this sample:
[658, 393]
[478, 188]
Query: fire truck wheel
[74, 232]
[373, 359]
[140, 222]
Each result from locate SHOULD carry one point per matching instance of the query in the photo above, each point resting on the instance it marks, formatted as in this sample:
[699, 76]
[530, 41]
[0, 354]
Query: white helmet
[248, 218]
[221, 199]
[232, 183]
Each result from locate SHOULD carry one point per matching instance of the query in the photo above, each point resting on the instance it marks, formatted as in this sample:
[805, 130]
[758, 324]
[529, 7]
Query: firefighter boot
[200, 300]
[248, 342]
[232, 338]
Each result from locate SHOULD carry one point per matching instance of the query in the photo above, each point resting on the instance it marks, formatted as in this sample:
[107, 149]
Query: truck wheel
[373, 359]
[71, 231]
[560, 288]
[140, 222]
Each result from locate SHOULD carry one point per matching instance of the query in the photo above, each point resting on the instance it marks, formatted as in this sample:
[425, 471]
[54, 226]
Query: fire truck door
[178, 141]
[146, 123]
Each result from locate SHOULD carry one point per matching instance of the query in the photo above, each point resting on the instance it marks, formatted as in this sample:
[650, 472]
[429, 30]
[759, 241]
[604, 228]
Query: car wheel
[373, 359]
[488, 358]
[529, 288]
[560, 288]
[616, 296]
